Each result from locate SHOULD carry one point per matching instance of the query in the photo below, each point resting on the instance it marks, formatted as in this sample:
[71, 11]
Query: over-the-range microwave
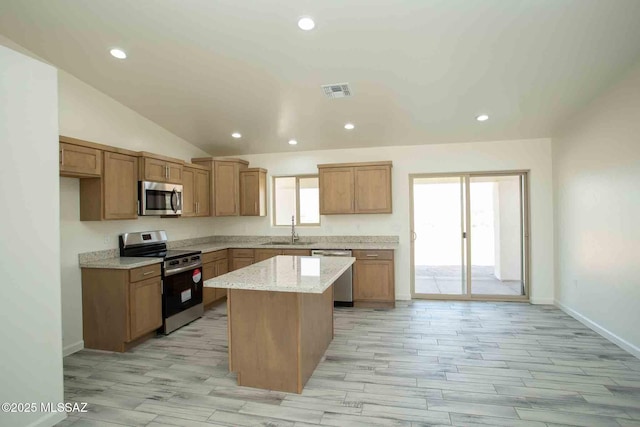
[159, 198]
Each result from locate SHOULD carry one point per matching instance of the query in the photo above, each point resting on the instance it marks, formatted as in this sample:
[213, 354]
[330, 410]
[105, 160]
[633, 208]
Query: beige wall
[465, 157]
[596, 161]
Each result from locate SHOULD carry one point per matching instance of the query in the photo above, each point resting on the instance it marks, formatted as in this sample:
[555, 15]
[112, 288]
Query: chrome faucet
[294, 235]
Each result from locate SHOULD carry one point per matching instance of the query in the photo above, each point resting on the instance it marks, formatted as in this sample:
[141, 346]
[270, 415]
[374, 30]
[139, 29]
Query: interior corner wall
[532, 154]
[31, 356]
[596, 166]
[89, 114]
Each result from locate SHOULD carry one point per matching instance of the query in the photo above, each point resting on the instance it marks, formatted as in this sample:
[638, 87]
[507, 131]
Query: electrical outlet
[107, 239]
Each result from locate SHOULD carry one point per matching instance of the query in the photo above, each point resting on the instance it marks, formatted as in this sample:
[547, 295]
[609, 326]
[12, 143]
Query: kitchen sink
[288, 243]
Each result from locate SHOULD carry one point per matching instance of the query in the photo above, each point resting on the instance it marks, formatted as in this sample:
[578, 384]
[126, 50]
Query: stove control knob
[174, 262]
[185, 259]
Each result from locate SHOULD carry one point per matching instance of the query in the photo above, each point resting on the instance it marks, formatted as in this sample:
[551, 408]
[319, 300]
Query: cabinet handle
[62, 157]
[147, 273]
[256, 208]
[373, 255]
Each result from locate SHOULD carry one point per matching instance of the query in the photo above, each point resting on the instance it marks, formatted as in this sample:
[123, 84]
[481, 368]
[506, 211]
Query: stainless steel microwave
[158, 198]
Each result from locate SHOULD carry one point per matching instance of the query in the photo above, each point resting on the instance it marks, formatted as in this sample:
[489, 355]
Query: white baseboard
[403, 297]
[542, 301]
[49, 420]
[72, 348]
[633, 349]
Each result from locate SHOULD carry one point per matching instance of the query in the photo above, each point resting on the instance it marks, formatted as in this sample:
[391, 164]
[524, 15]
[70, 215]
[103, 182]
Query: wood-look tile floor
[423, 363]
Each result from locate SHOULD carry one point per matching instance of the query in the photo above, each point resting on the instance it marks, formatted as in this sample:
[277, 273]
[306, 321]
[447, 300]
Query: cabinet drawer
[214, 256]
[146, 272]
[241, 253]
[297, 252]
[361, 254]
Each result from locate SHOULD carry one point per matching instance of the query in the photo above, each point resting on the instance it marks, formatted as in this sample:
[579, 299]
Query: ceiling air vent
[337, 90]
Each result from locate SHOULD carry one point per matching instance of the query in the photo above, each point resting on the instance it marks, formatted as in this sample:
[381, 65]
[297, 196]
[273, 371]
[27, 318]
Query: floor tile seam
[485, 404]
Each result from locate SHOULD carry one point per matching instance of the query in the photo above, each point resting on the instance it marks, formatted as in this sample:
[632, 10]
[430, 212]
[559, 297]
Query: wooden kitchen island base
[276, 339]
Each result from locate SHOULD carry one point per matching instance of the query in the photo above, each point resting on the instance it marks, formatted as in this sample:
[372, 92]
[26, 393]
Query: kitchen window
[297, 196]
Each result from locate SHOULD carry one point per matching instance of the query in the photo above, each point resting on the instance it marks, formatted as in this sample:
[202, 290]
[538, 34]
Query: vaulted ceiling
[420, 70]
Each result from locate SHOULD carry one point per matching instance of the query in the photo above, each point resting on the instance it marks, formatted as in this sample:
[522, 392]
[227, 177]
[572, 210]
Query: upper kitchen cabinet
[115, 194]
[156, 168]
[225, 184]
[196, 194]
[253, 192]
[79, 159]
[108, 178]
[355, 188]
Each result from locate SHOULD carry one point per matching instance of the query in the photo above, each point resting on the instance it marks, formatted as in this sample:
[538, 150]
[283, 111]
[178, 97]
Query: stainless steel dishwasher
[343, 286]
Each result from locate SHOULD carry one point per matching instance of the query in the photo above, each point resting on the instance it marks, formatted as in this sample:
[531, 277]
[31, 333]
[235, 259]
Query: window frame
[273, 200]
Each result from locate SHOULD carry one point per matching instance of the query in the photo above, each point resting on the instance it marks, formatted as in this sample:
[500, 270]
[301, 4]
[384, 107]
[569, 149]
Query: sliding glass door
[469, 236]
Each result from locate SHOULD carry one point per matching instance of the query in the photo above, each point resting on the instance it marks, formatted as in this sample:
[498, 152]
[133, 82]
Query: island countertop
[284, 273]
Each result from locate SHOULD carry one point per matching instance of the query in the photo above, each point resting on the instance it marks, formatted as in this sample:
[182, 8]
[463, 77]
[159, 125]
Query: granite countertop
[217, 246]
[121, 263]
[109, 258]
[284, 273]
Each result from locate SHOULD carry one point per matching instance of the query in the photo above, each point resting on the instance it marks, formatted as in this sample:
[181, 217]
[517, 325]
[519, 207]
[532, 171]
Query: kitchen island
[280, 318]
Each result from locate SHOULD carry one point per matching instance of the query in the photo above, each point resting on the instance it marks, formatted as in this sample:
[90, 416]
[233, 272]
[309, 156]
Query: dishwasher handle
[331, 253]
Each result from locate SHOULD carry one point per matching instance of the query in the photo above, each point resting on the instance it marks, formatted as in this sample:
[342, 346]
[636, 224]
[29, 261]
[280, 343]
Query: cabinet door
[227, 185]
[155, 170]
[79, 161]
[249, 193]
[373, 280]
[262, 254]
[174, 173]
[145, 307]
[373, 189]
[202, 193]
[120, 183]
[189, 192]
[237, 263]
[222, 267]
[336, 191]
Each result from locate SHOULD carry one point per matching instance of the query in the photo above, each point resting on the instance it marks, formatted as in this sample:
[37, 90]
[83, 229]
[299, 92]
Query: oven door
[157, 198]
[181, 291]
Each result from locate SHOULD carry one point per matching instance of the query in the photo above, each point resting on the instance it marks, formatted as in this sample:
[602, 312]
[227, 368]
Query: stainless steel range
[181, 276]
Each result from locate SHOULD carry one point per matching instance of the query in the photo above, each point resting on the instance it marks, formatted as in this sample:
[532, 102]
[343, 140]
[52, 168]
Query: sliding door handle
[414, 236]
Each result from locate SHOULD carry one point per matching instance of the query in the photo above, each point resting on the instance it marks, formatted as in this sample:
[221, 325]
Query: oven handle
[175, 271]
[174, 207]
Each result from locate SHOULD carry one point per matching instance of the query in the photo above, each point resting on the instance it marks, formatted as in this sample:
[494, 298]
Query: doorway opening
[469, 236]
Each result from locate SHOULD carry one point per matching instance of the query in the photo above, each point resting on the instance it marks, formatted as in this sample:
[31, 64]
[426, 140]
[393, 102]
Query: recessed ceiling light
[306, 23]
[482, 118]
[292, 142]
[236, 135]
[118, 53]
[349, 126]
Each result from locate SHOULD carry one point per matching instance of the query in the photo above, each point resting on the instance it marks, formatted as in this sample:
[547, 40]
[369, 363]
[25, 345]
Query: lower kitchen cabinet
[214, 264]
[373, 278]
[240, 258]
[120, 308]
[262, 254]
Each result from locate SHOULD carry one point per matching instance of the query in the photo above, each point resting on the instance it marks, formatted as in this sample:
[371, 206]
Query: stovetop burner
[154, 244]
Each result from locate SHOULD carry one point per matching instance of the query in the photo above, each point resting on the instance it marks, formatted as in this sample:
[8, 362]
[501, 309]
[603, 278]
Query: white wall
[31, 356]
[596, 161]
[507, 229]
[478, 156]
